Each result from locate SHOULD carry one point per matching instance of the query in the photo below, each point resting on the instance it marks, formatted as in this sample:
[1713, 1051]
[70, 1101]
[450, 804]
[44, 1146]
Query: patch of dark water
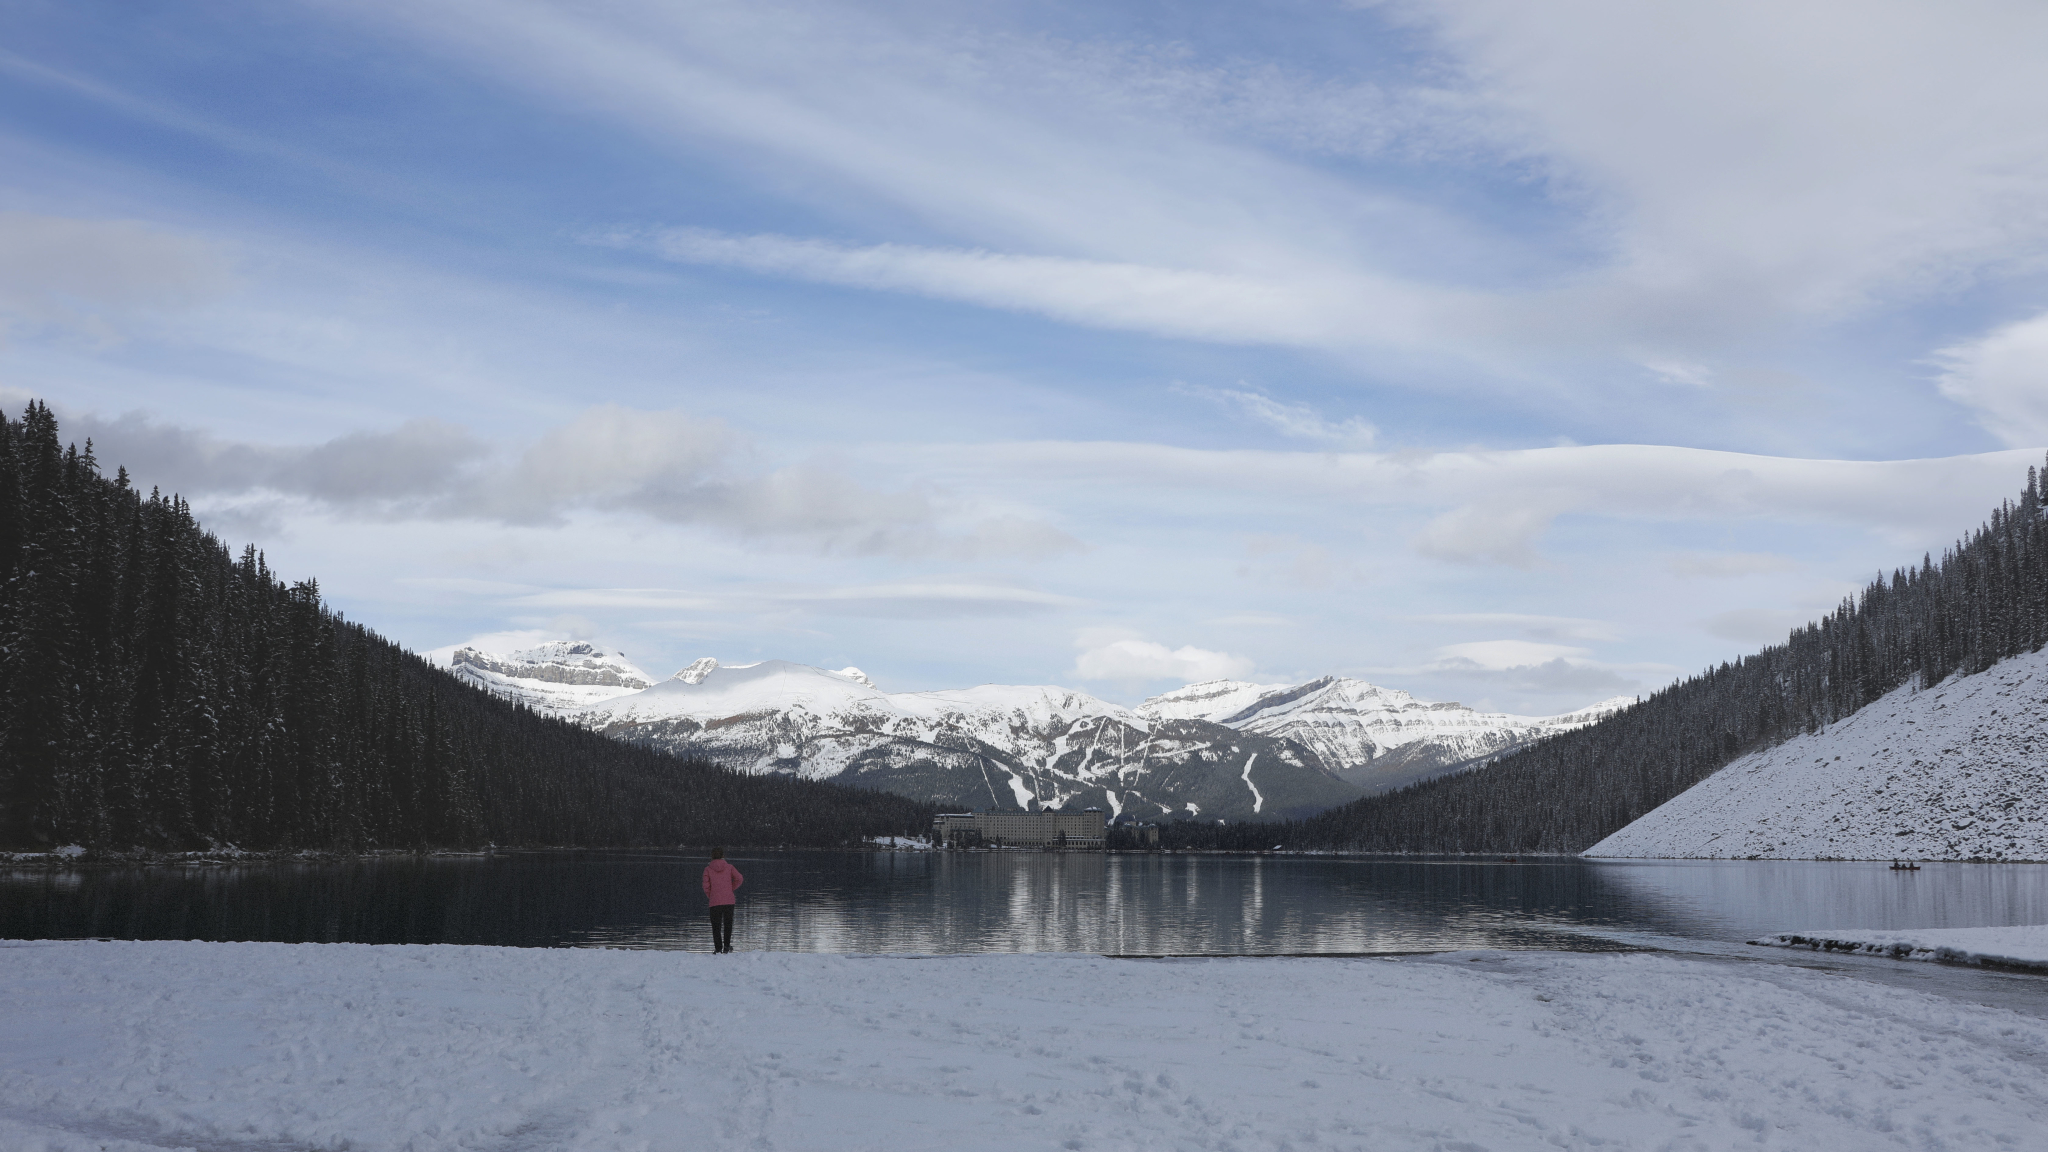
[1124, 904]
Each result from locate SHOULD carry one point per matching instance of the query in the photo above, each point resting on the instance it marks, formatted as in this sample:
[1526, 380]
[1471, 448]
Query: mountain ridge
[991, 746]
[1376, 737]
[1211, 750]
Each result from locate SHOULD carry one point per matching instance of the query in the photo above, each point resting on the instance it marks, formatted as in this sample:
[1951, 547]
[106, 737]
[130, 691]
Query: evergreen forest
[1984, 600]
[158, 692]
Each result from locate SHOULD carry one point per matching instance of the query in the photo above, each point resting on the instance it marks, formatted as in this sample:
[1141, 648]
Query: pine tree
[157, 691]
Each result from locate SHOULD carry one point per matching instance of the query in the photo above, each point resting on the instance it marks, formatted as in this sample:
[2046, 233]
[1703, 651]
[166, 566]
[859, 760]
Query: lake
[955, 902]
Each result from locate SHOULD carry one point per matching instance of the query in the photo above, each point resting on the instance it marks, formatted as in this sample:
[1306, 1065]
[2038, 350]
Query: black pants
[721, 927]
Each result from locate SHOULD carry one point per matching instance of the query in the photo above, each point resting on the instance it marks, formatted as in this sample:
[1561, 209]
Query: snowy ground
[240, 1047]
[1957, 772]
[2023, 946]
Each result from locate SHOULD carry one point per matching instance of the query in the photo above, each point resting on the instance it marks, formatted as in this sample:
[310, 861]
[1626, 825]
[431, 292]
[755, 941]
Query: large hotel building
[1051, 829]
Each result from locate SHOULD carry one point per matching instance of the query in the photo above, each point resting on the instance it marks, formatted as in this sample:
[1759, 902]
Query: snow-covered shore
[151, 1045]
[2023, 946]
[1958, 771]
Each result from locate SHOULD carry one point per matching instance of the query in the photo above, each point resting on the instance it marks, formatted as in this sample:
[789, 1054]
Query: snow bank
[2023, 946]
[129, 1046]
[1956, 772]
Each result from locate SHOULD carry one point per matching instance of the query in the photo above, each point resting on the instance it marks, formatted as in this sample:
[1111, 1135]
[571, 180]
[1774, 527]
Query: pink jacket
[721, 880]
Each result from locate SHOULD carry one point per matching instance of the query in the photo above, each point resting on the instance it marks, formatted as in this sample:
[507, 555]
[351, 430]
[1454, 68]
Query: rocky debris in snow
[2022, 946]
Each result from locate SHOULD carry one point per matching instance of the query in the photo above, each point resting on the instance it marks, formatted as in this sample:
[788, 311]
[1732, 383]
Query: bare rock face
[1377, 738]
[697, 671]
[555, 678]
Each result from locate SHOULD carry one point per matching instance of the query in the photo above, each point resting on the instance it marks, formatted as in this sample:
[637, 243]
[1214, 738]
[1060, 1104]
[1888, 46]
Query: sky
[1521, 355]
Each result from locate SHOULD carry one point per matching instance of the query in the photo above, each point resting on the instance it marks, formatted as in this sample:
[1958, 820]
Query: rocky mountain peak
[699, 668]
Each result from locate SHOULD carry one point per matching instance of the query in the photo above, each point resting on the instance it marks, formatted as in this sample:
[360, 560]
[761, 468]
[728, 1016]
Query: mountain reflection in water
[1010, 901]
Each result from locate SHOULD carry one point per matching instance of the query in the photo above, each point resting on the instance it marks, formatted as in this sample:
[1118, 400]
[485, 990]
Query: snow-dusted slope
[1377, 738]
[555, 677]
[1955, 772]
[995, 745]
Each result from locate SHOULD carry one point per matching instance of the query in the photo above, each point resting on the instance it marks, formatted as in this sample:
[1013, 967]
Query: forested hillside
[1986, 599]
[158, 692]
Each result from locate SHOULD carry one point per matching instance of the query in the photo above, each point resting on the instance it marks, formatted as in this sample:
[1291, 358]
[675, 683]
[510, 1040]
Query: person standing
[721, 880]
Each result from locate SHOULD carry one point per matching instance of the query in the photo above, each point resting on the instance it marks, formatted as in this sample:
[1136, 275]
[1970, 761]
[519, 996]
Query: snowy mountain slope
[554, 678]
[1954, 772]
[995, 745]
[1377, 738]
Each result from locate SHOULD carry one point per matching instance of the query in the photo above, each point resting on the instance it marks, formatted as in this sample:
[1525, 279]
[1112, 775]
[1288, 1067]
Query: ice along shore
[123, 1046]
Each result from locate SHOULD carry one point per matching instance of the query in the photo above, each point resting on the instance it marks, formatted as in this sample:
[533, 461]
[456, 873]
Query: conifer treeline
[158, 692]
[1986, 599]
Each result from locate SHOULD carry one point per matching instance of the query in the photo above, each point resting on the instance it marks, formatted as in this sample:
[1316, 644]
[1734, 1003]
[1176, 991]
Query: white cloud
[1495, 506]
[1758, 625]
[1492, 533]
[1251, 620]
[1539, 627]
[1189, 303]
[917, 599]
[1298, 421]
[1500, 655]
[600, 599]
[1758, 156]
[1727, 564]
[1545, 668]
[1718, 169]
[2003, 375]
[1130, 660]
[87, 276]
[927, 600]
[466, 586]
[669, 466]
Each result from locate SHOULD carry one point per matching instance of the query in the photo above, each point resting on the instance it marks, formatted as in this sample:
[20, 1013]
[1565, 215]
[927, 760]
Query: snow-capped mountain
[555, 678]
[1958, 771]
[1221, 749]
[998, 746]
[1377, 738]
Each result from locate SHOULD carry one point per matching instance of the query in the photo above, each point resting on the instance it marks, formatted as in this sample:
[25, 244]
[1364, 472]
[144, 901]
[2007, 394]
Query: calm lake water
[1015, 902]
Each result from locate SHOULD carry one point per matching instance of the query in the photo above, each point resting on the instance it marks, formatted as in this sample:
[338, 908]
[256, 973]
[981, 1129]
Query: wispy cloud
[1110, 655]
[1296, 421]
[1495, 506]
[1188, 303]
[1758, 625]
[668, 466]
[2003, 377]
[1116, 185]
[1722, 565]
[1549, 628]
[87, 276]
